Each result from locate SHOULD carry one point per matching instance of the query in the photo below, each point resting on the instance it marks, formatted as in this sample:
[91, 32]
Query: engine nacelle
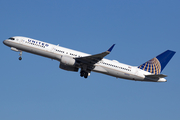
[68, 68]
[66, 60]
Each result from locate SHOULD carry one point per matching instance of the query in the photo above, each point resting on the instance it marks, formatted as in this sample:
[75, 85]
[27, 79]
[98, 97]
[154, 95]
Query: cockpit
[11, 38]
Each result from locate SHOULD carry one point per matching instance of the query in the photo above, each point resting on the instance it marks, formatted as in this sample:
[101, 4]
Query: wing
[93, 59]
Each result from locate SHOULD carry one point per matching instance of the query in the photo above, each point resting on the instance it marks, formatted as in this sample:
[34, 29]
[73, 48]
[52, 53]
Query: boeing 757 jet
[72, 60]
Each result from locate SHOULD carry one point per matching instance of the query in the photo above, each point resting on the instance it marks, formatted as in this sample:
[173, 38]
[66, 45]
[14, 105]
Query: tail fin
[157, 64]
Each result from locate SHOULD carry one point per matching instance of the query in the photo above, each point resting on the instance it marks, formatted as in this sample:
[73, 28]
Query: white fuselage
[105, 66]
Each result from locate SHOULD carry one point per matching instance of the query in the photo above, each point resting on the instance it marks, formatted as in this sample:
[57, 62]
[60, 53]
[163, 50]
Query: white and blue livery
[72, 60]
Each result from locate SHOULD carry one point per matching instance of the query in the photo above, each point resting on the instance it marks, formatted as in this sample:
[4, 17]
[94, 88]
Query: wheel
[20, 58]
[86, 75]
[82, 73]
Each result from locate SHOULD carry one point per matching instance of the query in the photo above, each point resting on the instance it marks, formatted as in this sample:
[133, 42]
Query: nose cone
[5, 42]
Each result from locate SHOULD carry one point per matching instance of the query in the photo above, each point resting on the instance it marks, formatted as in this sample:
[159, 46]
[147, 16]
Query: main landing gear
[84, 74]
[20, 58]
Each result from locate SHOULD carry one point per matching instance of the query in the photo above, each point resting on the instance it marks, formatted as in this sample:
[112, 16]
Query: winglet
[110, 49]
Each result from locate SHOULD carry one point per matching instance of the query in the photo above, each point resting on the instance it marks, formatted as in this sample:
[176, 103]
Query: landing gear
[20, 58]
[84, 74]
[85, 71]
[20, 54]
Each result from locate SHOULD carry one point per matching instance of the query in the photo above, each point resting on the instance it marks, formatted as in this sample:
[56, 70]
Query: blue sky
[36, 89]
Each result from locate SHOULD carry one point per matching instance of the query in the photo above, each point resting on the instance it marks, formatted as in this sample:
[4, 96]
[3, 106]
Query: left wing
[93, 59]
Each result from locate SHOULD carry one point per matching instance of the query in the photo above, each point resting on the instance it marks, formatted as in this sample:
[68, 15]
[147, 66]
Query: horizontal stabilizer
[156, 76]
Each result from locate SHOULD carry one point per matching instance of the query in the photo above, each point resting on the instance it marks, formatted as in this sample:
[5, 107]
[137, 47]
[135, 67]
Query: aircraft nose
[5, 42]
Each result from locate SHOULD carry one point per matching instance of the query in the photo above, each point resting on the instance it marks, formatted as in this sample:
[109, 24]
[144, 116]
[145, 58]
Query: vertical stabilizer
[157, 64]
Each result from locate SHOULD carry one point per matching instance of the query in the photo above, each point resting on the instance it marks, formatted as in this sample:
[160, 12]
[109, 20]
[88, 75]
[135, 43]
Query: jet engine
[68, 63]
[66, 60]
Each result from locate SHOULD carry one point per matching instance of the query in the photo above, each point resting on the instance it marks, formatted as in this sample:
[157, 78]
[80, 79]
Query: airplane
[72, 60]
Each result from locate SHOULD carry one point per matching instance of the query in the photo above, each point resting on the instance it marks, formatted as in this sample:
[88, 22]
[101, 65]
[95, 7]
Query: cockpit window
[11, 38]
